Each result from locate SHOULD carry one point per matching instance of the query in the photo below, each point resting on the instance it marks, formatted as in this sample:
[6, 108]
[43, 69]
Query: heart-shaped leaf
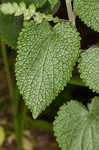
[45, 61]
[77, 128]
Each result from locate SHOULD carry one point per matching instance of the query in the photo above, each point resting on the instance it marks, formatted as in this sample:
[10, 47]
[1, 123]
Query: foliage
[88, 67]
[11, 26]
[37, 3]
[88, 11]
[76, 127]
[45, 61]
[53, 3]
[48, 64]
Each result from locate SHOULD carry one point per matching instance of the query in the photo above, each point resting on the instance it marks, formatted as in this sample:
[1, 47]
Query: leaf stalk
[71, 14]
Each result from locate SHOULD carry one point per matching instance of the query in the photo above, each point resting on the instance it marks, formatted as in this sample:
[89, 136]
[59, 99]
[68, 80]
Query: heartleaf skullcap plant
[45, 61]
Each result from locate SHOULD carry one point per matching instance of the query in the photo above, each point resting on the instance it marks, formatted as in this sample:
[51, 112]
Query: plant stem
[14, 95]
[5, 61]
[70, 12]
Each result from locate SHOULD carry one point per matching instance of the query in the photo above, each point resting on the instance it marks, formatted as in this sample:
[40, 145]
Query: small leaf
[53, 2]
[42, 5]
[10, 28]
[48, 10]
[37, 3]
[45, 61]
[89, 68]
[77, 128]
[88, 11]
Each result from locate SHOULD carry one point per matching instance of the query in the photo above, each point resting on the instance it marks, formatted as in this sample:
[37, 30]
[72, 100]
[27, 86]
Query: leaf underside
[45, 61]
[89, 68]
[77, 128]
[88, 11]
[10, 28]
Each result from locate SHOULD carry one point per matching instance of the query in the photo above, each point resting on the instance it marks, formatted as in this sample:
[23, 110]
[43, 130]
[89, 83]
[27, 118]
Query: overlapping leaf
[10, 28]
[88, 11]
[45, 61]
[89, 67]
[77, 128]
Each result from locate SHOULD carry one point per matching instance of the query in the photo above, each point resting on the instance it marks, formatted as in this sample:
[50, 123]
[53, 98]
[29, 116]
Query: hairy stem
[70, 12]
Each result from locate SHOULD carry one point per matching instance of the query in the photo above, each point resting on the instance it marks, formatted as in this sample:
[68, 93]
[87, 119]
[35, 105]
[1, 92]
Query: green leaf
[53, 2]
[45, 61]
[88, 11]
[89, 67]
[37, 3]
[48, 10]
[42, 5]
[77, 128]
[10, 28]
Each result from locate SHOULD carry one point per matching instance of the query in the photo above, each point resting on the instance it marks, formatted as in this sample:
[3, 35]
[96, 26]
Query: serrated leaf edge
[81, 76]
[58, 113]
[83, 20]
[62, 88]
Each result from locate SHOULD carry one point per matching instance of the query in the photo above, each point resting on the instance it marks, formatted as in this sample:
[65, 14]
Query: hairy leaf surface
[10, 28]
[77, 128]
[45, 61]
[89, 67]
[88, 11]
